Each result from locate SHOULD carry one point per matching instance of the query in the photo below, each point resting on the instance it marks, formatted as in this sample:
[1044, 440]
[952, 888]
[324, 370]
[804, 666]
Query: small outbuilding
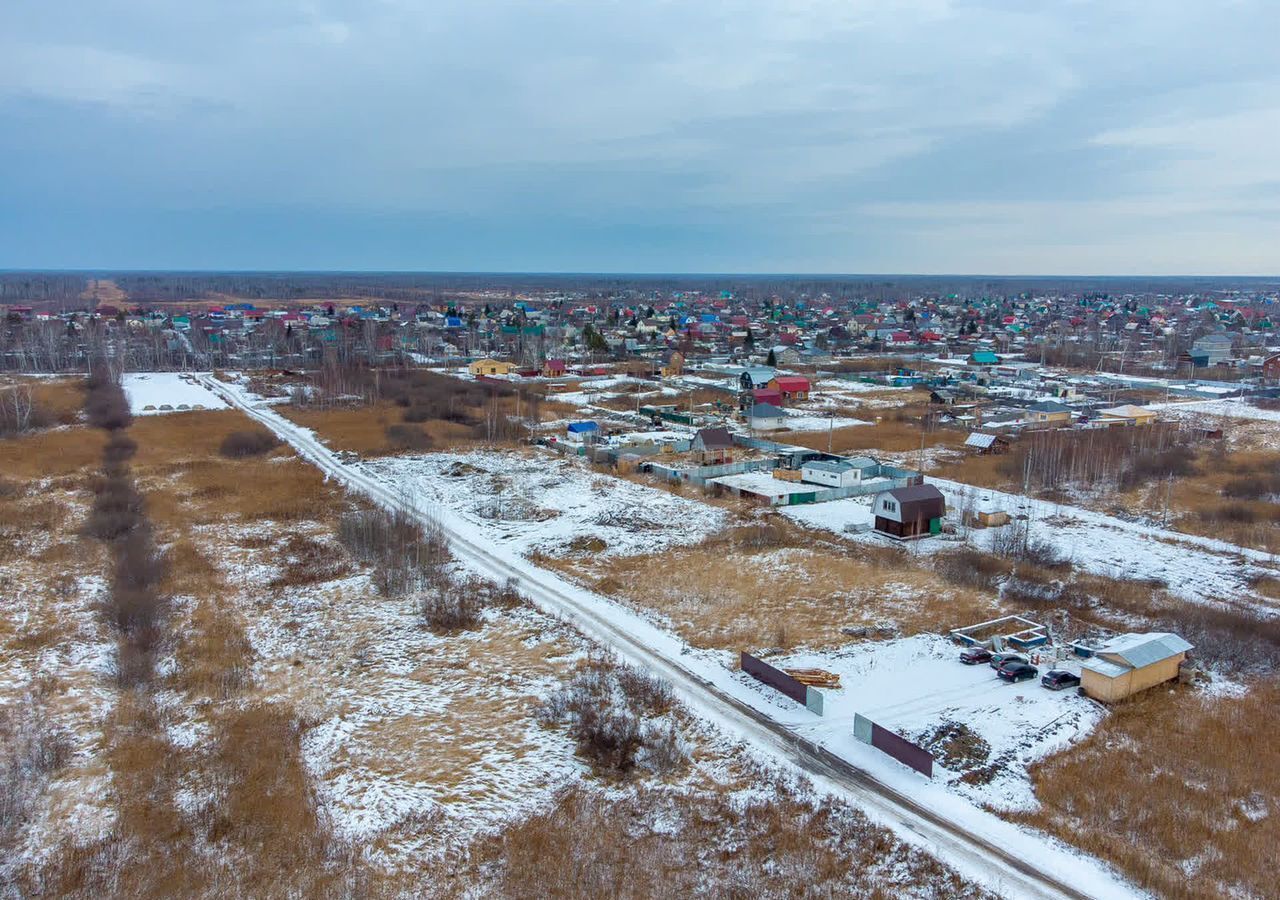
[583, 431]
[987, 444]
[766, 417]
[1131, 663]
[910, 512]
[712, 446]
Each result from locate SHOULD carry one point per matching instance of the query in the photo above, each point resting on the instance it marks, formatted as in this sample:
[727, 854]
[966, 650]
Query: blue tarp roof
[580, 427]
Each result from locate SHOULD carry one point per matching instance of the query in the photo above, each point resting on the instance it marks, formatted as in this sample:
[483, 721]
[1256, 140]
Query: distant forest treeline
[416, 287]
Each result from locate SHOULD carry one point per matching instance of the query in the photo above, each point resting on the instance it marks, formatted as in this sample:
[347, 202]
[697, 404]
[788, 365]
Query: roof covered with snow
[1134, 651]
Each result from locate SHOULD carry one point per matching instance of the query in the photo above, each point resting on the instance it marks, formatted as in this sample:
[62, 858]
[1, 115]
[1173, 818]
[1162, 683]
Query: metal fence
[776, 678]
[901, 749]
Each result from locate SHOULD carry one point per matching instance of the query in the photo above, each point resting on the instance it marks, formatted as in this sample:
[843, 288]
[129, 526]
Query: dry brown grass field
[202, 787]
[1177, 790]
[781, 586]
[891, 434]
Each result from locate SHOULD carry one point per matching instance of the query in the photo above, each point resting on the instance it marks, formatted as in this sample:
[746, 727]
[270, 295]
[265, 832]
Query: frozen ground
[150, 391]
[549, 503]
[1199, 569]
[1234, 409]
[914, 685]
[700, 677]
[806, 420]
[765, 483]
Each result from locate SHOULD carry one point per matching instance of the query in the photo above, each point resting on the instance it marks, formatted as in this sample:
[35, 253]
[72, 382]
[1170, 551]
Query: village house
[712, 446]
[1048, 412]
[1131, 663]
[753, 377]
[910, 512]
[554, 368]
[838, 473]
[792, 388]
[488, 366]
[1126, 415]
[765, 417]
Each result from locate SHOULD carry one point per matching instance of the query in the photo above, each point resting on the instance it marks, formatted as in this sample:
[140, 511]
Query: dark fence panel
[902, 750]
[775, 678]
[899, 748]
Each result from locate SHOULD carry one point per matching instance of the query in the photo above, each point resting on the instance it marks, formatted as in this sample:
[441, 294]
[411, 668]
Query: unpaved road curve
[1001, 870]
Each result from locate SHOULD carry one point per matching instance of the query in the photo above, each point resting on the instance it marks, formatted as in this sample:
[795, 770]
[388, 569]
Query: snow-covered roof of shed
[1138, 650]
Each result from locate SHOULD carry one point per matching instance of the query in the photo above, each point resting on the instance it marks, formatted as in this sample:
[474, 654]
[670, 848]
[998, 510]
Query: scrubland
[331, 708]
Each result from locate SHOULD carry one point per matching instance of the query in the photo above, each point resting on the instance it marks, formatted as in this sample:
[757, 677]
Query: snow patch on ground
[150, 392]
[1199, 569]
[552, 504]
[913, 685]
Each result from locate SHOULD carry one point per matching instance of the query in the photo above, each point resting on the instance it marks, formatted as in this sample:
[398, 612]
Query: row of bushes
[617, 716]
[135, 603]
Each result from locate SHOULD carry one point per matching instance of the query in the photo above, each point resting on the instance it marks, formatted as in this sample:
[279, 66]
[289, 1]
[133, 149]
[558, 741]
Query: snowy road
[1009, 860]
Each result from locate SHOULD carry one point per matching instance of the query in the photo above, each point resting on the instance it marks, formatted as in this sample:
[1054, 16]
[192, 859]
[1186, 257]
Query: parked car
[1058, 680]
[999, 659]
[1017, 671]
[975, 655]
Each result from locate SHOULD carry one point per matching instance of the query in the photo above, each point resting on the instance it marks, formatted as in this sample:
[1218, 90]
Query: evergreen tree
[772, 361]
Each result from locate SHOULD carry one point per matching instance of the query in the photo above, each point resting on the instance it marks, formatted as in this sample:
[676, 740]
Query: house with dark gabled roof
[712, 446]
[909, 512]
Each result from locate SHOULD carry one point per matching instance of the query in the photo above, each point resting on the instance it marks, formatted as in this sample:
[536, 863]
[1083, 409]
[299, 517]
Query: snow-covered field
[1199, 569]
[161, 392]
[914, 685]
[496, 547]
[804, 420]
[551, 504]
[1233, 409]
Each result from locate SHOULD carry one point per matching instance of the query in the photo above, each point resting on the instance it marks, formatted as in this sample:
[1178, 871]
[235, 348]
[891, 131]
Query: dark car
[999, 659]
[975, 655]
[1017, 671]
[1058, 680]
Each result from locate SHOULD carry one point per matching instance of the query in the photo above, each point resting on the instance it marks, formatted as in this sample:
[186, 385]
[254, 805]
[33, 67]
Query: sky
[834, 136]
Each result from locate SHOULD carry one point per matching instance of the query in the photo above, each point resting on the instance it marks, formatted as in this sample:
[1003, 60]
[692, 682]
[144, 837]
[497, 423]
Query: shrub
[31, 747]
[408, 437]
[240, 444]
[969, 567]
[117, 507]
[119, 449]
[604, 705]
[454, 606]
[406, 555]
[106, 405]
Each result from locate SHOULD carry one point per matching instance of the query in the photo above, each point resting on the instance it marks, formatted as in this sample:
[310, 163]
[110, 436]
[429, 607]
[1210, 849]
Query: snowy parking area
[551, 504]
[986, 732]
[151, 393]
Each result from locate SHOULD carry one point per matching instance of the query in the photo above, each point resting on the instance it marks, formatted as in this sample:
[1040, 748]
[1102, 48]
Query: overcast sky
[843, 136]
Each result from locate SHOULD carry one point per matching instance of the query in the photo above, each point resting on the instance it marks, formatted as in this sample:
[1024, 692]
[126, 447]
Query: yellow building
[1131, 663]
[674, 366]
[488, 366]
[1048, 412]
[1127, 415]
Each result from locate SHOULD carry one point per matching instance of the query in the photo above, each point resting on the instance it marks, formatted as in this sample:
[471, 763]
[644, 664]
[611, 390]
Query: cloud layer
[820, 135]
